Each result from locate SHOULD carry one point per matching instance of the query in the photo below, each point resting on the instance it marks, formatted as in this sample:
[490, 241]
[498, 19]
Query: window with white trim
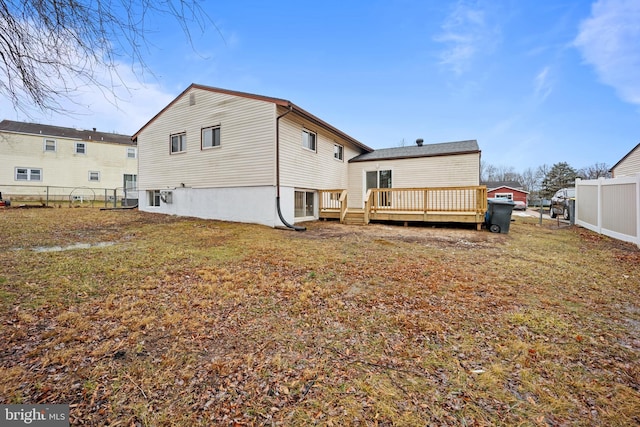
[154, 197]
[179, 143]
[338, 152]
[309, 140]
[508, 196]
[28, 174]
[94, 176]
[132, 153]
[49, 145]
[80, 148]
[211, 137]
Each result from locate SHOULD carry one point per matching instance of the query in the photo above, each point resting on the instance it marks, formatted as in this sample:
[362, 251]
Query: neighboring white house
[629, 165]
[228, 155]
[36, 156]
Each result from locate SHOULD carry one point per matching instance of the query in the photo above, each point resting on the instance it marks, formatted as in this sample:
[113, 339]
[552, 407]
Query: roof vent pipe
[419, 142]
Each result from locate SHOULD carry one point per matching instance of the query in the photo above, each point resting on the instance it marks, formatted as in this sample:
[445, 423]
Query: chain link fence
[54, 196]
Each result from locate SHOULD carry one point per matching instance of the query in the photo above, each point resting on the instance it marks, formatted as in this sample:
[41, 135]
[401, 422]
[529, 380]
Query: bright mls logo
[34, 415]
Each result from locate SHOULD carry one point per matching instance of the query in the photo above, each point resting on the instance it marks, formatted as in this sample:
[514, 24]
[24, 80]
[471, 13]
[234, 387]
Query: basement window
[154, 197]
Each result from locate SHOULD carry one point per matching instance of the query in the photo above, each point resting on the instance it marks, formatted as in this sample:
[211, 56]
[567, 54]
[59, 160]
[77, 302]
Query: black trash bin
[498, 216]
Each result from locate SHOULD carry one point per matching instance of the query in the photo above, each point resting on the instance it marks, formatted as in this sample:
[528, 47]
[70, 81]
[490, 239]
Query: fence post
[47, 199]
[115, 195]
[638, 210]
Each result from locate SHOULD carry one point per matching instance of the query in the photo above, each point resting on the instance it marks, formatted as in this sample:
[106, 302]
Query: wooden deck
[442, 204]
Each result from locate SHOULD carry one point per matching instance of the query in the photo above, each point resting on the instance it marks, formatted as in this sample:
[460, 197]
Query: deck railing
[446, 204]
[425, 200]
[333, 202]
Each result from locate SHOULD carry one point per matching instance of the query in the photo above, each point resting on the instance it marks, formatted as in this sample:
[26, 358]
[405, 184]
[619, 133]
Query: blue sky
[533, 82]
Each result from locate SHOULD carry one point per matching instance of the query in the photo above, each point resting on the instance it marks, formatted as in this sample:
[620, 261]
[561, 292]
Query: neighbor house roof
[426, 150]
[624, 158]
[515, 185]
[278, 101]
[62, 132]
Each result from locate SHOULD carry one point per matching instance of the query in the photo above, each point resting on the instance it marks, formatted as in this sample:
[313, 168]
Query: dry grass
[179, 321]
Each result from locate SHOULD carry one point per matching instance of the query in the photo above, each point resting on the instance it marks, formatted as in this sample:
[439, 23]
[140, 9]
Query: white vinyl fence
[610, 207]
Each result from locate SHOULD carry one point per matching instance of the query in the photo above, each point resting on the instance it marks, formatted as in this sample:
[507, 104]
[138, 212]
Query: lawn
[140, 319]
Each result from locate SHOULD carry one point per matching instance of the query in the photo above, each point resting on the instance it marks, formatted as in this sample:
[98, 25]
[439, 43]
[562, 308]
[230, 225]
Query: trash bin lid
[501, 201]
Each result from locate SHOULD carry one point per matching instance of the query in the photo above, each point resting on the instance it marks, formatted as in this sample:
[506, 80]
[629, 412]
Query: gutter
[293, 227]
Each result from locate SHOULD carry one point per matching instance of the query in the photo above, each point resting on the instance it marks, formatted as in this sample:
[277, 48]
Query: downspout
[294, 227]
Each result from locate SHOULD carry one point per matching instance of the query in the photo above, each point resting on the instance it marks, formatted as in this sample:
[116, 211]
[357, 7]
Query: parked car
[560, 202]
[519, 205]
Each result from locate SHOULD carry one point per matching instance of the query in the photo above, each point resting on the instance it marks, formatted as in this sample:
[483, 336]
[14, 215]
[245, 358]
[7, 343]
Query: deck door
[380, 179]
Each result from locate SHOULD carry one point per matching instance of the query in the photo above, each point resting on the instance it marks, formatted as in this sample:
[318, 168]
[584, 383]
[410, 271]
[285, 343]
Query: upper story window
[94, 176]
[49, 145]
[81, 148]
[308, 140]
[132, 153]
[338, 152]
[211, 137]
[28, 174]
[179, 142]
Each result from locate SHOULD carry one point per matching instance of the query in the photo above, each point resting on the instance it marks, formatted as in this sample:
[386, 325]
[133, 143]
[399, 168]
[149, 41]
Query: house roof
[278, 101]
[497, 184]
[506, 187]
[62, 132]
[415, 151]
[626, 155]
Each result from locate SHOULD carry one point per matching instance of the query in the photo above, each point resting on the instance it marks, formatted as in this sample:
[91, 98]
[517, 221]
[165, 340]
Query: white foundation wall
[256, 205]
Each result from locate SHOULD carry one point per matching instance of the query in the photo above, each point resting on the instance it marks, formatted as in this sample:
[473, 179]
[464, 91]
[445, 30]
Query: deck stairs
[354, 217]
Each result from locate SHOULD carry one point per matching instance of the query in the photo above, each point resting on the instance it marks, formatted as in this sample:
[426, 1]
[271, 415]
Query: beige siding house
[629, 165]
[228, 155]
[36, 157]
[449, 164]
[220, 154]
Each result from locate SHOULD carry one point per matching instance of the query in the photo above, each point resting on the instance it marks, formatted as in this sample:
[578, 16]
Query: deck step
[354, 217]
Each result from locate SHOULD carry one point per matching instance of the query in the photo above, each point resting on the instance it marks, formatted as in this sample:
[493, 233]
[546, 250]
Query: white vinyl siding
[246, 157]
[438, 171]
[306, 169]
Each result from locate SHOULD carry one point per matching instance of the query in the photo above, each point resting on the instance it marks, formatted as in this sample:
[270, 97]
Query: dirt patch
[429, 235]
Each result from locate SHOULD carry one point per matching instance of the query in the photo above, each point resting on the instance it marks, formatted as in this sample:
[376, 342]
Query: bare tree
[490, 172]
[529, 180]
[595, 171]
[50, 49]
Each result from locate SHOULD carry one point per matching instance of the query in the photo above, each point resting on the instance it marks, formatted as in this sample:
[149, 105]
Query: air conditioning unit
[166, 196]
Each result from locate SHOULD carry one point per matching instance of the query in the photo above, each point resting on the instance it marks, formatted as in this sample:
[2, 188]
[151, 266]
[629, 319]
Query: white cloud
[465, 33]
[542, 84]
[609, 40]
